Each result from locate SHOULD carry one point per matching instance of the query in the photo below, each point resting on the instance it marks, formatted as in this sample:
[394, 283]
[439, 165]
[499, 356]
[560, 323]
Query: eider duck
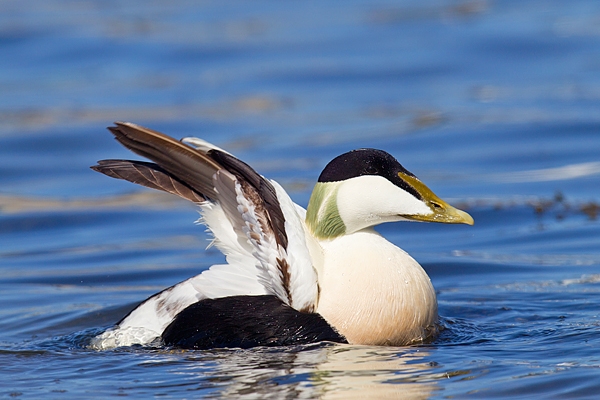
[292, 276]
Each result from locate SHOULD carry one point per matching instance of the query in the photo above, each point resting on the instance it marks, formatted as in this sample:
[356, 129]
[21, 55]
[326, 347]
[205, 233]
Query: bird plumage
[324, 260]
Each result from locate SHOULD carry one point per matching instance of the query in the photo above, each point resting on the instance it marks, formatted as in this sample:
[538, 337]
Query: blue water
[495, 105]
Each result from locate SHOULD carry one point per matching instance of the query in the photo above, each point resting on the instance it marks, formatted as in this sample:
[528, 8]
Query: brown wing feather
[186, 171]
[190, 166]
[149, 175]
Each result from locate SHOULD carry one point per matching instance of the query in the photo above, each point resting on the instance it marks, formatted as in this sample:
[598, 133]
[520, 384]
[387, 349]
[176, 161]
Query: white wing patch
[303, 287]
[256, 264]
[253, 231]
[201, 144]
[146, 323]
[254, 257]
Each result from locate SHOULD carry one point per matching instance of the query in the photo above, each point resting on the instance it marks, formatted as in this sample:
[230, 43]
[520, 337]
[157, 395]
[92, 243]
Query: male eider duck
[292, 276]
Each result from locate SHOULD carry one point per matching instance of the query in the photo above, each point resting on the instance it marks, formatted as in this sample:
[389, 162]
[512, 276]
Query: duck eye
[371, 170]
[437, 206]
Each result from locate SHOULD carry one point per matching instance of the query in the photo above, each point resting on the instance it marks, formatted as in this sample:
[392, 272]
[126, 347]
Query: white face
[371, 199]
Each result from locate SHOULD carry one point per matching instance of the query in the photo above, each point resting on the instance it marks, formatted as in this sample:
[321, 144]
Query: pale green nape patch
[322, 215]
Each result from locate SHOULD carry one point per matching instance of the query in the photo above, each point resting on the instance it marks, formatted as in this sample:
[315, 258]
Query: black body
[246, 321]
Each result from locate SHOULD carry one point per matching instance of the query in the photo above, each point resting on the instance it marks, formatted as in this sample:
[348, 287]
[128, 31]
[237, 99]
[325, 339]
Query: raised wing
[254, 223]
[149, 175]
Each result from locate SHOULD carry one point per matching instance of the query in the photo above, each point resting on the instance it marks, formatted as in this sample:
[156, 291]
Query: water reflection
[317, 371]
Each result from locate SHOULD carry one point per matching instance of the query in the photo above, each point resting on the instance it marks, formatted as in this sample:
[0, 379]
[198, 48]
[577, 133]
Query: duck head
[367, 187]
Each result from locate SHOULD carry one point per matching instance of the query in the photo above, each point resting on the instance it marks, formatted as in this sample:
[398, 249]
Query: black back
[246, 321]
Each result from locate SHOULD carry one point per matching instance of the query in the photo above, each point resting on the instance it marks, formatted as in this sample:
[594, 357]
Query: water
[493, 104]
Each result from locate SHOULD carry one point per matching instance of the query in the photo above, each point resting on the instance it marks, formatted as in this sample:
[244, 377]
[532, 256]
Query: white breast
[373, 292]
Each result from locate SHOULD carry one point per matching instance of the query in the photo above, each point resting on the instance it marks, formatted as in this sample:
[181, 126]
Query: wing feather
[178, 159]
[149, 175]
[303, 279]
[254, 223]
[263, 189]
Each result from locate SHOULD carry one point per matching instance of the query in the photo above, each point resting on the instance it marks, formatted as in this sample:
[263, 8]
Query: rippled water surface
[494, 104]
